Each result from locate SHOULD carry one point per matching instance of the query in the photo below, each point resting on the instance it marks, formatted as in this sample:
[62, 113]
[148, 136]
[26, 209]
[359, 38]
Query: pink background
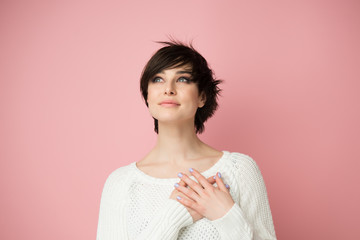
[71, 110]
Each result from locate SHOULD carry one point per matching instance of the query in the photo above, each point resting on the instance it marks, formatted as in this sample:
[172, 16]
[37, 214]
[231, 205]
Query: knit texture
[136, 206]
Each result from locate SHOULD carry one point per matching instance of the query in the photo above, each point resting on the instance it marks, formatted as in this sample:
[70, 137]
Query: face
[173, 96]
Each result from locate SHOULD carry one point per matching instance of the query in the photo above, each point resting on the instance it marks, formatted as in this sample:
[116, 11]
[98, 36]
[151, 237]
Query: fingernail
[219, 175]
[227, 186]
[191, 170]
[178, 197]
[214, 177]
[176, 185]
[180, 174]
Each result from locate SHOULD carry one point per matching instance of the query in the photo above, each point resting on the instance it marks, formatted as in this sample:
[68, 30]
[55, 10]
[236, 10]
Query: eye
[157, 79]
[184, 79]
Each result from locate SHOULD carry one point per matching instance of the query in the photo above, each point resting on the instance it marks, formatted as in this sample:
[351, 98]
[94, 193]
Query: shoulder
[119, 175]
[247, 172]
[242, 160]
[243, 164]
[116, 182]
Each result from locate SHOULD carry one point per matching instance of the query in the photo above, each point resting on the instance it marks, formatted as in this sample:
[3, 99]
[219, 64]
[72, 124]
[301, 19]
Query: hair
[177, 54]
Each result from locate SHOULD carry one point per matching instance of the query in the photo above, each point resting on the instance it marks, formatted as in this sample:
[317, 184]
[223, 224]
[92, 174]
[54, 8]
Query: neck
[177, 142]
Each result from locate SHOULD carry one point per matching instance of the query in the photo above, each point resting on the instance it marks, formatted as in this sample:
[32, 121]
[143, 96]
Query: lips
[169, 103]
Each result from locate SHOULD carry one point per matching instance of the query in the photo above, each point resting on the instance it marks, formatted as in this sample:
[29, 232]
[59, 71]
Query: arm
[251, 219]
[112, 221]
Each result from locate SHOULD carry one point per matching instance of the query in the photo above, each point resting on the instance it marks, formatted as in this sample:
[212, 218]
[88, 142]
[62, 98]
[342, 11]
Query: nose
[170, 89]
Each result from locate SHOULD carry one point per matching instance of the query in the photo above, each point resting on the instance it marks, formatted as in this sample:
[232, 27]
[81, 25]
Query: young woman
[184, 188]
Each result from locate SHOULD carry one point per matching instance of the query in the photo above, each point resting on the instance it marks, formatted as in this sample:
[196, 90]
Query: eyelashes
[180, 79]
[156, 79]
[184, 79]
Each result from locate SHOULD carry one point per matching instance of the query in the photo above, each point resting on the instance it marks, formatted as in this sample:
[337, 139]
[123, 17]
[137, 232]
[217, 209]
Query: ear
[202, 99]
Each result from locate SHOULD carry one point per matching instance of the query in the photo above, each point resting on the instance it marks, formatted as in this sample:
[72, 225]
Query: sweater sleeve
[251, 218]
[112, 223]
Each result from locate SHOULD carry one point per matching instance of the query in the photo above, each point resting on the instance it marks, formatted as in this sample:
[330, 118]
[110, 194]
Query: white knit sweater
[135, 205]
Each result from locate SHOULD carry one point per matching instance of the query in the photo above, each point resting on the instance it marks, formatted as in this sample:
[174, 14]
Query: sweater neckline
[164, 180]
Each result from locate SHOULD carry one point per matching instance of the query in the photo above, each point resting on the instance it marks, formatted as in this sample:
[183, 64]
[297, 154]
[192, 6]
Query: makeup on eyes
[188, 79]
[159, 79]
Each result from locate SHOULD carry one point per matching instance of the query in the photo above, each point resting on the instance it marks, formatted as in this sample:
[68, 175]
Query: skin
[205, 199]
[178, 148]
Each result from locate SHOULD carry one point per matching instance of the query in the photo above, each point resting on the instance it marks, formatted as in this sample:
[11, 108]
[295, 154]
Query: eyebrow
[181, 72]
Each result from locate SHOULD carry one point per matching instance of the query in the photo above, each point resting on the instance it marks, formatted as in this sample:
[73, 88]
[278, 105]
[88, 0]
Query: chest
[169, 170]
[146, 200]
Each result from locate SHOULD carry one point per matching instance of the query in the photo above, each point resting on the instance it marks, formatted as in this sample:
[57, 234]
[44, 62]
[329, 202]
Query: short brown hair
[176, 54]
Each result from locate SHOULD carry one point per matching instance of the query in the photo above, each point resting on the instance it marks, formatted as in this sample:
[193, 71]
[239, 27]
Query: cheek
[193, 97]
[151, 93]
[152, 99]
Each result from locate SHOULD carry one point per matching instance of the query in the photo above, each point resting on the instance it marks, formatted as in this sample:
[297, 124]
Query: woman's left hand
[211, 202]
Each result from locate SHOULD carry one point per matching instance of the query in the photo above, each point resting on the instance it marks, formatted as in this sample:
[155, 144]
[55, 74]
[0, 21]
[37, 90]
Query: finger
[180, 194]
[188, 203]
[220, 182]
[191, 183]
[182, 183]
[210, 180]
[188, 192]
[200, 178]
[213, 181]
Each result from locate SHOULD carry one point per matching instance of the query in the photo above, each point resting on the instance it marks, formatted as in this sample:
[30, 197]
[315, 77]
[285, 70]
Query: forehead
[179, 69]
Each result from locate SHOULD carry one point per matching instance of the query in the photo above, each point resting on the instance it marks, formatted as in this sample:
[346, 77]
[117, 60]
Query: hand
[207, 200]
[194, 214]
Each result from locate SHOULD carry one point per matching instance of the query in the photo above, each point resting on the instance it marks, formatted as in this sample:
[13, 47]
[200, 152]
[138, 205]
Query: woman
[184, 188]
